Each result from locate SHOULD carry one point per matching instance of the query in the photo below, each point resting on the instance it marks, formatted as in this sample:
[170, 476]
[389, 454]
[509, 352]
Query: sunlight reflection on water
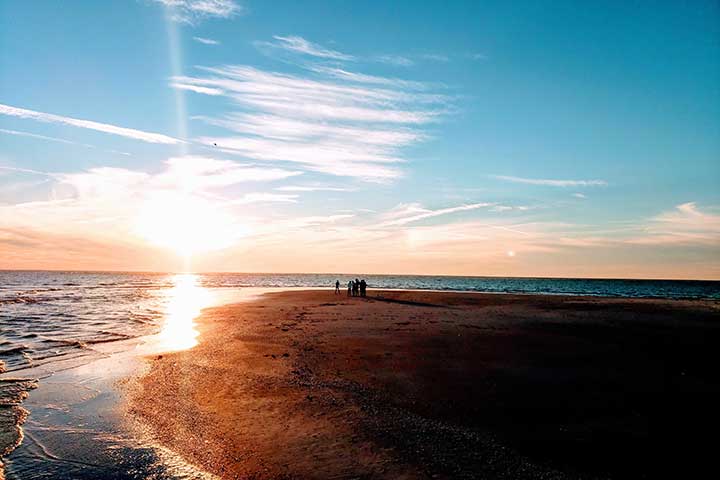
[186, 300]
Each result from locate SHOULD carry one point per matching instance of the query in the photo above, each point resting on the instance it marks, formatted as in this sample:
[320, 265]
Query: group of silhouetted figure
[356, 288]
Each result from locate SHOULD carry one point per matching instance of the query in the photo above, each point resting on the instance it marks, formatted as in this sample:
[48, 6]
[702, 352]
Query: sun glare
[186, 224]
[186, 300]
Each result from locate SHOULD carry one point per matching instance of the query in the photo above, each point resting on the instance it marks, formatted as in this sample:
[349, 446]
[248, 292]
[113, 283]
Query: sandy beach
[402, 384]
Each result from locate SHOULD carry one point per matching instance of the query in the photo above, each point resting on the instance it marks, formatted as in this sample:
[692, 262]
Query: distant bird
[215, 144]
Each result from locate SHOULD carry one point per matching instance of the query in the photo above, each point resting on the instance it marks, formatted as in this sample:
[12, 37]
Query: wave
[12, 393]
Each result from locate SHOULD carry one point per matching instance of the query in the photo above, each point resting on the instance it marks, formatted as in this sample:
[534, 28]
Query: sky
[541, 139]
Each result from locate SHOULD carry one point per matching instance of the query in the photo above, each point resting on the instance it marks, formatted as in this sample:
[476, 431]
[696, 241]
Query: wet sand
[441, 385]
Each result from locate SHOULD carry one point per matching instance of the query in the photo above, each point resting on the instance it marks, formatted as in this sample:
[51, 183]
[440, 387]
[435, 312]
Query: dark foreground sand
[442, 385]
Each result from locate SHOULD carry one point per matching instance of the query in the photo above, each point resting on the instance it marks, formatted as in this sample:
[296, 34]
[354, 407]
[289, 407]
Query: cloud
[257, 85]
[43, 137]
[206, 41]
[93, 211]
[299, 45]
[435, 57]
[262, 197]
[464, 247]
[686, 224]
[191, 11]
[324, 157]
[319, 188]
[287, 128]
[200, 173]
[477, 56]
[397, 60]
[579, 195]
[58, 140]
[100, 127]
[553, 183]
[197, 88]
[277, 230]
[363, 78]
[318, 220]
[188, 174]
[509, 208]
[25, 170]
[326, 124]
[21, 187]
[185, 204]
[408, 213]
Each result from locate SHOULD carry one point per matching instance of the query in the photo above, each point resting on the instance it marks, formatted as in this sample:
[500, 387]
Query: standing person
[363, 287]
[337, 287]
[356, 287]
[350, 287]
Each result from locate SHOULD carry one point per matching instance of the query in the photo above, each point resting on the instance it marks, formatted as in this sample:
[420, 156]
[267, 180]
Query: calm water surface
[67, 337]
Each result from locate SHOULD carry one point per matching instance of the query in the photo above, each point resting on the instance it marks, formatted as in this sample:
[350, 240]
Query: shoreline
[411, 384]
[68, 401]
[75, 428]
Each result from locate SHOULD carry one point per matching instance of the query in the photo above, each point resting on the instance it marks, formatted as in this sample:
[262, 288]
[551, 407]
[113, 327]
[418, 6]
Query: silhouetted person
[363, 287]
[350, 287]
[356, 287]
[337, 287]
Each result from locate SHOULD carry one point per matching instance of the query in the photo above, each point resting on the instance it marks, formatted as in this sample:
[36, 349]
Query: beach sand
[308, 384]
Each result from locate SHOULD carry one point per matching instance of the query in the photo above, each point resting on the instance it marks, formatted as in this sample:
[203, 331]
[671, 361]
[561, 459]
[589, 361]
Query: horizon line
[355, 274]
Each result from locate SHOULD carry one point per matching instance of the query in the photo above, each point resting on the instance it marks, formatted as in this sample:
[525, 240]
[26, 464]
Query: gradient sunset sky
[475, 138]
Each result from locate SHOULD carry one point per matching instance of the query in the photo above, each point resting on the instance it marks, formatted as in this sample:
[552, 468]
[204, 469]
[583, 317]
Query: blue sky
[503, 138]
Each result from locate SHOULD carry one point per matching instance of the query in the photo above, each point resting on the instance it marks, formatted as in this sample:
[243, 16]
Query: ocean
[65, 337]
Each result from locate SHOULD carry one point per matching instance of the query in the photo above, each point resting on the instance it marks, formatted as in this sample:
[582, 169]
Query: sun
[185, 223]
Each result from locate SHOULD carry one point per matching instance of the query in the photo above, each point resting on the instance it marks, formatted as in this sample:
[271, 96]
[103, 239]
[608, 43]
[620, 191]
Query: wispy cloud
[58, 140]
[88, 124]
[477, 56]
[291, 129]
[199, 173]
[510, 208]
[435, 57]
[343, 74]
[333, 159]
[299, 45]
[273, 232]
[414, 212]
[24, 170]
[206, 41]
[326, 124]
[397, 60]
[191, 11]
[263, 197]
[197, 88]
[311, 188]
[43, 137]
[579, 195]
[294, 47]
[552, 183]
[686, 224]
